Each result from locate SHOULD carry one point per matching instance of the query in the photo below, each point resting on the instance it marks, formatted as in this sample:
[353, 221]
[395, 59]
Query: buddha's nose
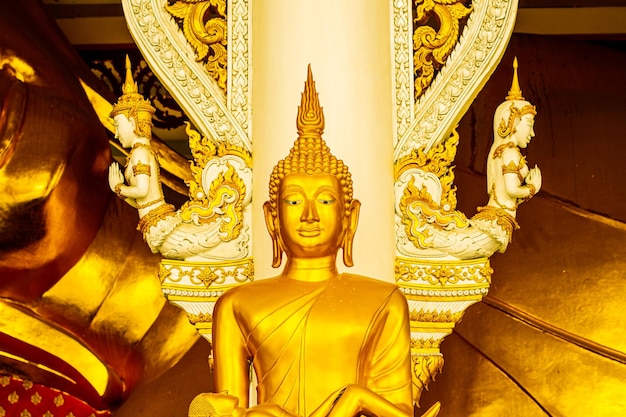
[310, 213]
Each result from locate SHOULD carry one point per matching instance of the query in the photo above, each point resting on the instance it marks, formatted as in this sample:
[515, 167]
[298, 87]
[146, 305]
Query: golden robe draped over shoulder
[307, 340]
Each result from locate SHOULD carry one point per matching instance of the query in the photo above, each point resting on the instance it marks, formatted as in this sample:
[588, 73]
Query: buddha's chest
[326, 321]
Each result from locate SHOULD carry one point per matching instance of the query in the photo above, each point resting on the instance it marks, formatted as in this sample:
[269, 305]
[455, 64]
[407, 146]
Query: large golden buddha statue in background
[321, 343]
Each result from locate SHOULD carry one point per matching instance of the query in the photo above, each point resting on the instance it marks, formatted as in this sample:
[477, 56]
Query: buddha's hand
[115, 176]
[534, 178]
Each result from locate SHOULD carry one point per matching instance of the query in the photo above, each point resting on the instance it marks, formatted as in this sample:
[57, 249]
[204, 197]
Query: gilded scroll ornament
[203, 23]
[427, 203]
[475, 56]
[434, 44]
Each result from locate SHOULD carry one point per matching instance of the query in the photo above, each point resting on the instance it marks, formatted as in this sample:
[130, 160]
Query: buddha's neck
[311, 269]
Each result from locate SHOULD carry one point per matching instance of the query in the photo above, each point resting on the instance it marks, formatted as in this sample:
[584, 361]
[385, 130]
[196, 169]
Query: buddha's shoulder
[251, 288]
[361, 281]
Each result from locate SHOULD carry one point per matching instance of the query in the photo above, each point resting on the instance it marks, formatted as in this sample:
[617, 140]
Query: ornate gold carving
[500, 216]
[131, 103]
[225, 198]
[435, 317]
[425, 369]
[475, 56]
[150, 203]
[200, 318]
[404, 83]
[433, 44]
[424, 344]
[205, 275]
[443, 273]
[238, 73]
[417, 206]
[164, 273]
[154, 216]
[203, 23]
[141, 168]
[506, 127]
[204, 149]
[224, 201]
[437, 160]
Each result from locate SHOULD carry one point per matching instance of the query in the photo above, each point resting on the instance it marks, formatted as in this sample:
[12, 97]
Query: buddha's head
[515, 117]
[311, 212]
[132, 114]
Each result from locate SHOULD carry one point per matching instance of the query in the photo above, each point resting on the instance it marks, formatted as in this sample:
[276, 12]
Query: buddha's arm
[231, 357]
[385, 368]
[356, 400]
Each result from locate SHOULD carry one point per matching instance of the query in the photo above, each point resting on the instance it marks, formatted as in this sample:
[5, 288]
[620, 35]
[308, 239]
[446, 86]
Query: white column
[347, 43]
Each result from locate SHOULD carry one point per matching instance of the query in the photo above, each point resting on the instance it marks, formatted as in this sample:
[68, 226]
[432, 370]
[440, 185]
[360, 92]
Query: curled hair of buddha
[132, 104]
[514, 108]
[310, 155]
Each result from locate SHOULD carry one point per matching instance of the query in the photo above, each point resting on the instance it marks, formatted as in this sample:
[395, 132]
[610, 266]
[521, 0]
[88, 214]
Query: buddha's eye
[326, 201]
[292, 202]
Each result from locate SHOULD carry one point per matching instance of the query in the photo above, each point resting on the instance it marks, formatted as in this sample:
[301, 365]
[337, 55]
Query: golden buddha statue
[321, 343]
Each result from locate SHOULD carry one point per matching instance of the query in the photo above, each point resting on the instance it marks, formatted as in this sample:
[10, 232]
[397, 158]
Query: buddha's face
[311, 215]
[524, 131]
[124, 129]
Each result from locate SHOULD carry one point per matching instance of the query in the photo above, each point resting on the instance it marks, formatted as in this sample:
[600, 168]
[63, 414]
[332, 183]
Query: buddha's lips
[309, 231]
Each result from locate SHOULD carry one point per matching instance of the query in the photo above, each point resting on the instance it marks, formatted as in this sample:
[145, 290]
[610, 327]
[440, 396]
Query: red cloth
[19, 398]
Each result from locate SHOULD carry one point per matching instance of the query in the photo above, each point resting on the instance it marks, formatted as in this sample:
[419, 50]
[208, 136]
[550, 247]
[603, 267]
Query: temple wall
[545, 342]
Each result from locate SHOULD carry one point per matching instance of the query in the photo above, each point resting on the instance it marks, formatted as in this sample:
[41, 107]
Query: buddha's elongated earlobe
[277, 247]
[348, 237]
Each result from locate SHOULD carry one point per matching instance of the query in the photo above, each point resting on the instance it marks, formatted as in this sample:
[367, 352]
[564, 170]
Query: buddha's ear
[272, 228]
[352, 221]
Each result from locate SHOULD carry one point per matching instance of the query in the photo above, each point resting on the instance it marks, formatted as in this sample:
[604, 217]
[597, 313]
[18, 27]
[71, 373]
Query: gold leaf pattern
[425, 368]
[203, 23]
[437, 24]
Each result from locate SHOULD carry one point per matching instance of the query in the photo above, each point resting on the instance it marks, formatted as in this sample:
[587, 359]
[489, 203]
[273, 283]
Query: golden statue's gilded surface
[80, 309]
[321, 343]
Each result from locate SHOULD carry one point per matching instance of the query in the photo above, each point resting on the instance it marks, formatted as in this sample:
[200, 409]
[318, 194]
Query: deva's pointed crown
[514, 99]
[310, 155]
[133, 104]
